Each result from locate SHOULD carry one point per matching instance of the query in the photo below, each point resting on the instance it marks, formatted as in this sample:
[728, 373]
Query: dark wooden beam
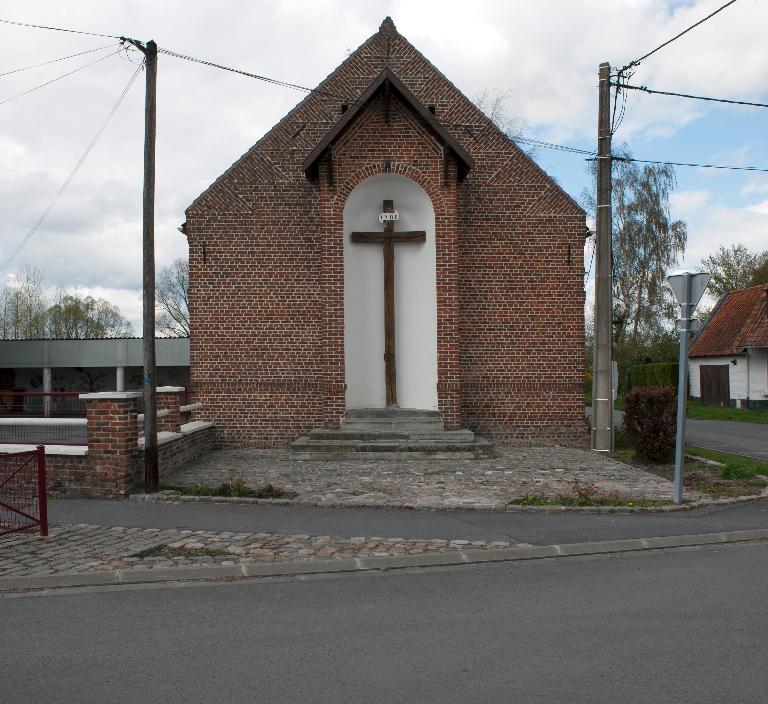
[415, 236]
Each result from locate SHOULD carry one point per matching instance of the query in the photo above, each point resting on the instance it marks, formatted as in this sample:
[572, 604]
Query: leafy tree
[647, 242]
[760, 274]
[734, 267]
[76, 317]
[172, 299]
[28, 312]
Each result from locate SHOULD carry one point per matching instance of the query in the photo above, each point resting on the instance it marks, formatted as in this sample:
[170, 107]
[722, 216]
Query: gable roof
[739, 320]
[384, 81]
[279, 156]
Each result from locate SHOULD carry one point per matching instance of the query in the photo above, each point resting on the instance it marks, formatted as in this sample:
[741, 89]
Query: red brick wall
[266, 268]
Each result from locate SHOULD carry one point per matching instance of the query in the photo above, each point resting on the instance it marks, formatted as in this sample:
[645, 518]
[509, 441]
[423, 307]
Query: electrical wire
[258, 77]
[645, 89]
[682, 163]
[59, 29]
[72, 173]
[636, 62]
[551, 145]
[58, 78]
[53, 61]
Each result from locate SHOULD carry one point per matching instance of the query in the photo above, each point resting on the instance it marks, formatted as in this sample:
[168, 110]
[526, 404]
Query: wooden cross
[389, 238]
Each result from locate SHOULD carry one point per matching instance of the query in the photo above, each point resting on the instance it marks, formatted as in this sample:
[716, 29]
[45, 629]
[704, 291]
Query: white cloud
[544, 53]
[686, 204]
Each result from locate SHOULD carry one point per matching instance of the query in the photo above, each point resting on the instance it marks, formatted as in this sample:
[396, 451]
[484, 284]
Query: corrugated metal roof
[740, 320]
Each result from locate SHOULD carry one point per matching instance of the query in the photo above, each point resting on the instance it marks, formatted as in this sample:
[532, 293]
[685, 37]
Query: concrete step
[391, 413]
[385, 434]
[398, 426]
[390, 433]
[411, 448]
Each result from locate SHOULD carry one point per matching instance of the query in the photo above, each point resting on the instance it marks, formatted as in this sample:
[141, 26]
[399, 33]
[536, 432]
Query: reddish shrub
[650, 420]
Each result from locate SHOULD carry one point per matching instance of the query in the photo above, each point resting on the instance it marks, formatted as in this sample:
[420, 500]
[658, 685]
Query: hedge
[658, 375]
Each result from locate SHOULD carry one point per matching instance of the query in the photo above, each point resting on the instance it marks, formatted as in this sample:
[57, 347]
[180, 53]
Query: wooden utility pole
[602, 392]
[151, 470]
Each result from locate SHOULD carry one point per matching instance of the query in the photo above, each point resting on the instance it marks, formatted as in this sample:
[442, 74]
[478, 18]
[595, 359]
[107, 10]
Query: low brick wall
[196, 439]
[112, 464]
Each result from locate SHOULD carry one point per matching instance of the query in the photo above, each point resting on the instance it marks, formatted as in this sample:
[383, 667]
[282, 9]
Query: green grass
[230, 489]
[584, 494]
[736, 466]
[737, 477]
[703, 411]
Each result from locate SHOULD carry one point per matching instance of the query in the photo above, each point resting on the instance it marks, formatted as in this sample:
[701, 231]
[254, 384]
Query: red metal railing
[41, 404]
[23, 502]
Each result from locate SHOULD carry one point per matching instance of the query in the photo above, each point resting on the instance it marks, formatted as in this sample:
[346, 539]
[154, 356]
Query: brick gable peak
[303, 128]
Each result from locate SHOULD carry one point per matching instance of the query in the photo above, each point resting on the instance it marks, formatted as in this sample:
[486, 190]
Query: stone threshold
[366, 564]
[496, 507]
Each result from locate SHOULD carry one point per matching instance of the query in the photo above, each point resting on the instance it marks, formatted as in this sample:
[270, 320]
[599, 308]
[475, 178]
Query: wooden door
[715, 388]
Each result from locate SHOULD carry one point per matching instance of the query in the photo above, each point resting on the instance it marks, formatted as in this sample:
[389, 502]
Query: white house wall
[756, 390]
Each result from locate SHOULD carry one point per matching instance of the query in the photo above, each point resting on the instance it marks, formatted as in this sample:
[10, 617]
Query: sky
[543, 56]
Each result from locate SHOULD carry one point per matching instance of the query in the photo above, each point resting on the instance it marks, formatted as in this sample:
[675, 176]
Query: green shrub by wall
[661, 374]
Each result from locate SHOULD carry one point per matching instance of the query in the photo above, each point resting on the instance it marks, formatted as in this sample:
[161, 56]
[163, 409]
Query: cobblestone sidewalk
[489, 484]
[87, 548]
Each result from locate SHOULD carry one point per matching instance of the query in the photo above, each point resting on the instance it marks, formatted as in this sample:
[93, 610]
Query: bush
[650, 420]
[661, 374]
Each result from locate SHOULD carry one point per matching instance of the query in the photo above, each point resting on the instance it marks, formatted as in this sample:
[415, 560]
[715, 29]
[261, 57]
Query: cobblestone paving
[490, 483]
[88, 548]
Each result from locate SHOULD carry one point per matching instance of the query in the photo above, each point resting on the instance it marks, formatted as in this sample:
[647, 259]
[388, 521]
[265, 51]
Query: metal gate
[22, 491]
[715, 388]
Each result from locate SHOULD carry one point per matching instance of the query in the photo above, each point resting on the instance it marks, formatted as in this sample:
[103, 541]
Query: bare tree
[23, 305]
[495, 104]
[172, 301]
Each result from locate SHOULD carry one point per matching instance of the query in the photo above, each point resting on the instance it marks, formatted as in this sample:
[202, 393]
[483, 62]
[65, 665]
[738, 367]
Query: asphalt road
[667, 626]
[750, 439]
[528, 527]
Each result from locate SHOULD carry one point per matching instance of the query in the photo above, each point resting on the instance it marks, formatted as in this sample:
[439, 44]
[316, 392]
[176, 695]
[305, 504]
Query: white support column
[120, 379]
[47, 388]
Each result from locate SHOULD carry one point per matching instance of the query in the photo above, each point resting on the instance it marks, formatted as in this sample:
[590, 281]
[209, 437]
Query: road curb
[497, 507]
[185, 573]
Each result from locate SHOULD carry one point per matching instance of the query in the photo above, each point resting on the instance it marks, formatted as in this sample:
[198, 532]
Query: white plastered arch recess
[415, 297]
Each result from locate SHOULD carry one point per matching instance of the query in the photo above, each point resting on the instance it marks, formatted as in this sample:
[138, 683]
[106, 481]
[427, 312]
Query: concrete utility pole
[151, 471]
[602, 393]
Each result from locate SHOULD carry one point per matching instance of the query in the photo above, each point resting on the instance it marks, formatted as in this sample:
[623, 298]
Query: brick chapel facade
[267, 269]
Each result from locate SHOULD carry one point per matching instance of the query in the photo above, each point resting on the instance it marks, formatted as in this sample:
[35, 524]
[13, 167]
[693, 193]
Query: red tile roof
[739, 320]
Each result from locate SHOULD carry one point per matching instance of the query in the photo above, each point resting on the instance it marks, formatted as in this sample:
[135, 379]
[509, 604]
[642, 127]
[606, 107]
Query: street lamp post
[688, 289]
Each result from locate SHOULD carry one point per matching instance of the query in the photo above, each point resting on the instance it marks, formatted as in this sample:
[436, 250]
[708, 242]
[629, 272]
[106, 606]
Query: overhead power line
[645, 89]
[53, 61]
[636, 62]
[72, 173]
[551, 145]
[257, 76]
[683, 163]
[58, 78]
[59, 29]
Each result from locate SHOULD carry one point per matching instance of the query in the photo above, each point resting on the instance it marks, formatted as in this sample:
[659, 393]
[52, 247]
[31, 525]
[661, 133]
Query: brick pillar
[169, 398]
[113, 453]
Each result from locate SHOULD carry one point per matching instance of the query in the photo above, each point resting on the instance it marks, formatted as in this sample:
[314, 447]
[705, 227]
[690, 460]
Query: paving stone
[75, 549]
[430, 483]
